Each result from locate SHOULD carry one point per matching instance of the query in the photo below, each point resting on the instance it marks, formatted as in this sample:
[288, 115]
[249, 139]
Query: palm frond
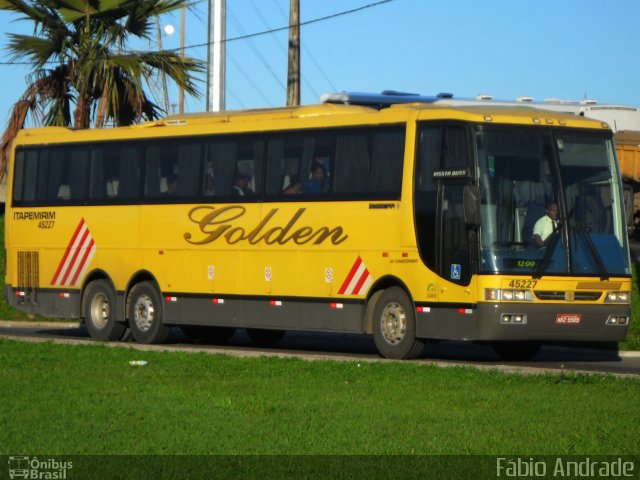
[84, 37]
[183, 71]
[36, 49]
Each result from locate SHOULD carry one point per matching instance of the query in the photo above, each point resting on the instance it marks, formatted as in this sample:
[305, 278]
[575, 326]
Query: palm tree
[82, 71]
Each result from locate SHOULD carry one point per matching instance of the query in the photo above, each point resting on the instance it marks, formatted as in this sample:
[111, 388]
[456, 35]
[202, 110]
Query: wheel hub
[394, 323]
[100, 310]
[143, 313]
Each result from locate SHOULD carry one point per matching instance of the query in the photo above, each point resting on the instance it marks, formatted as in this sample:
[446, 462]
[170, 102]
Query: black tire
[145, 314]
[516, 351]
[263, 337]
[99, 311]
[200, 334]
[394, 325]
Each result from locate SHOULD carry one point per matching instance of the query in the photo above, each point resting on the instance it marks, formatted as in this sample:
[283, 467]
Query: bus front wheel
[394, 325]
[100, 312]
[145, 314]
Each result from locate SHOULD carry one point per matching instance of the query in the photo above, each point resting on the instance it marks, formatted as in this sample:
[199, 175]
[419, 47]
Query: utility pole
[293, 74]
[216, 64]
[162, 78]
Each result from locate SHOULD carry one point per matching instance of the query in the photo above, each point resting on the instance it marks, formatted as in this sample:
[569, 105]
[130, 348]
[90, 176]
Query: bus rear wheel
[394, 325]
[145, 314]
[100, 312]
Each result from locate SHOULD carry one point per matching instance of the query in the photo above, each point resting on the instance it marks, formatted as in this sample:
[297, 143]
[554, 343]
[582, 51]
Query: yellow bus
[406, 221]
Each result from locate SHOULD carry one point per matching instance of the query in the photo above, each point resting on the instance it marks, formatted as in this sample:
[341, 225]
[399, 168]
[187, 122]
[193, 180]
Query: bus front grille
[568, 295]
[28, 269]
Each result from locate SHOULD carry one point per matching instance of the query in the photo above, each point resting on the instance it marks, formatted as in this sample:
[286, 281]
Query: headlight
[617, 297]
[507, 295]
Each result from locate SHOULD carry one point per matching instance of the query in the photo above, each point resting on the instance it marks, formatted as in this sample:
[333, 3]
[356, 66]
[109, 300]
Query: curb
[77, 324]
[37, 324]
[235, 351]
[240, 352]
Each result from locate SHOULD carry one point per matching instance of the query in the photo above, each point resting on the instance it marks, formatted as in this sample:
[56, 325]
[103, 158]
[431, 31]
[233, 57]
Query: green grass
[69, 400]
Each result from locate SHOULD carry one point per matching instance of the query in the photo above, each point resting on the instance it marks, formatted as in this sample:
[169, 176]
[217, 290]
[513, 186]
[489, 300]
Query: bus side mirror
[472, 205]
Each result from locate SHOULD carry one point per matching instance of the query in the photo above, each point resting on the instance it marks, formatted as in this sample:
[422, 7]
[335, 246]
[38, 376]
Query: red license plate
[568, 318]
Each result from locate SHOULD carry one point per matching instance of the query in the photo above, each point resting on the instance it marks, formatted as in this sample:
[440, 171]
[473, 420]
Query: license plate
[568, 318]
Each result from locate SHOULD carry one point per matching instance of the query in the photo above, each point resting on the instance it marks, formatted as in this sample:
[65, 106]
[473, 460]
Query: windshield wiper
[544, 263]
[584, 232]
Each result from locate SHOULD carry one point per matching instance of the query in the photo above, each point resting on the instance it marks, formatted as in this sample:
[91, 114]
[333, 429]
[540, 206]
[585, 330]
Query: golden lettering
[215, 223]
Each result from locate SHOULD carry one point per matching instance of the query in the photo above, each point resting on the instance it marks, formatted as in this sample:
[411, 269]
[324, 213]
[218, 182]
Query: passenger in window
[209, 189]
[545, 226]
[241, 185]
[295, 186]
[64, 192]
[318, 182]
[112, 187]
[322, 161]
[172, 184]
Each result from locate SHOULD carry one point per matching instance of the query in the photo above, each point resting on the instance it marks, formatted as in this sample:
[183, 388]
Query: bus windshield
[551, 203]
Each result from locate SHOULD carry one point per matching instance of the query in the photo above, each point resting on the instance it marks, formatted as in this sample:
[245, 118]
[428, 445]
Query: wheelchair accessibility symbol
[456, 270]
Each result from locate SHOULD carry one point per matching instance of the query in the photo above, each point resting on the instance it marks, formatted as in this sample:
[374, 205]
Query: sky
[569, 49]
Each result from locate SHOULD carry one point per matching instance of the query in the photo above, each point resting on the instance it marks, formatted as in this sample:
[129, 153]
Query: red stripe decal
[66, 253]
[82, 262]
[75, 257]
[347, 281]
[361, 280]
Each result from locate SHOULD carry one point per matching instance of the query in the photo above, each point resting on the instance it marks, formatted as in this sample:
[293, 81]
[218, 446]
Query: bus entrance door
[451, 313]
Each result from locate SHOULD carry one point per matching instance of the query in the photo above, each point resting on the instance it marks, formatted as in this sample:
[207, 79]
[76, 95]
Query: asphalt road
[322, 346]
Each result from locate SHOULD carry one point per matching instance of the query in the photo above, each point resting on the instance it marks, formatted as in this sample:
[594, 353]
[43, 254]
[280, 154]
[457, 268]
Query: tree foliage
[83, 74]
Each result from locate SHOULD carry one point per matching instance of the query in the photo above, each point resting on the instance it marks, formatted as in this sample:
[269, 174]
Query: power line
[255, 49]
[248, 78]
[302, 24]
[243, 37]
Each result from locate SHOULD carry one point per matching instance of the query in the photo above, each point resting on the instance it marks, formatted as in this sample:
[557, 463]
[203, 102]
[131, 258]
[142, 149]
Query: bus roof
[316, 116]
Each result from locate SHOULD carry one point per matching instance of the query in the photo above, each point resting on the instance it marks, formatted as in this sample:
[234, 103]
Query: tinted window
[232, 168]
[292, 160]
[337, 164]
[115, 172]
[325, 164]
[173, 170]
[369, 162]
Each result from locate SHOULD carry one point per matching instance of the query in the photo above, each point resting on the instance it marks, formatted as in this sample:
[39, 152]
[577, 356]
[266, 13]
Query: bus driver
[546, 224]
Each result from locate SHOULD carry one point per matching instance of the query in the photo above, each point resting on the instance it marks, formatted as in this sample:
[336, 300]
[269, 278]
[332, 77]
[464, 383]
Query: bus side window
[352, 162]
[188, 169]
[208, 186]
[26, 175]
[220, 162]
[249, 163]
[67, 174]
[127, 185]
[152, 172]
[285, 163]
[370, 162]
[277, 174]
[169, 171]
